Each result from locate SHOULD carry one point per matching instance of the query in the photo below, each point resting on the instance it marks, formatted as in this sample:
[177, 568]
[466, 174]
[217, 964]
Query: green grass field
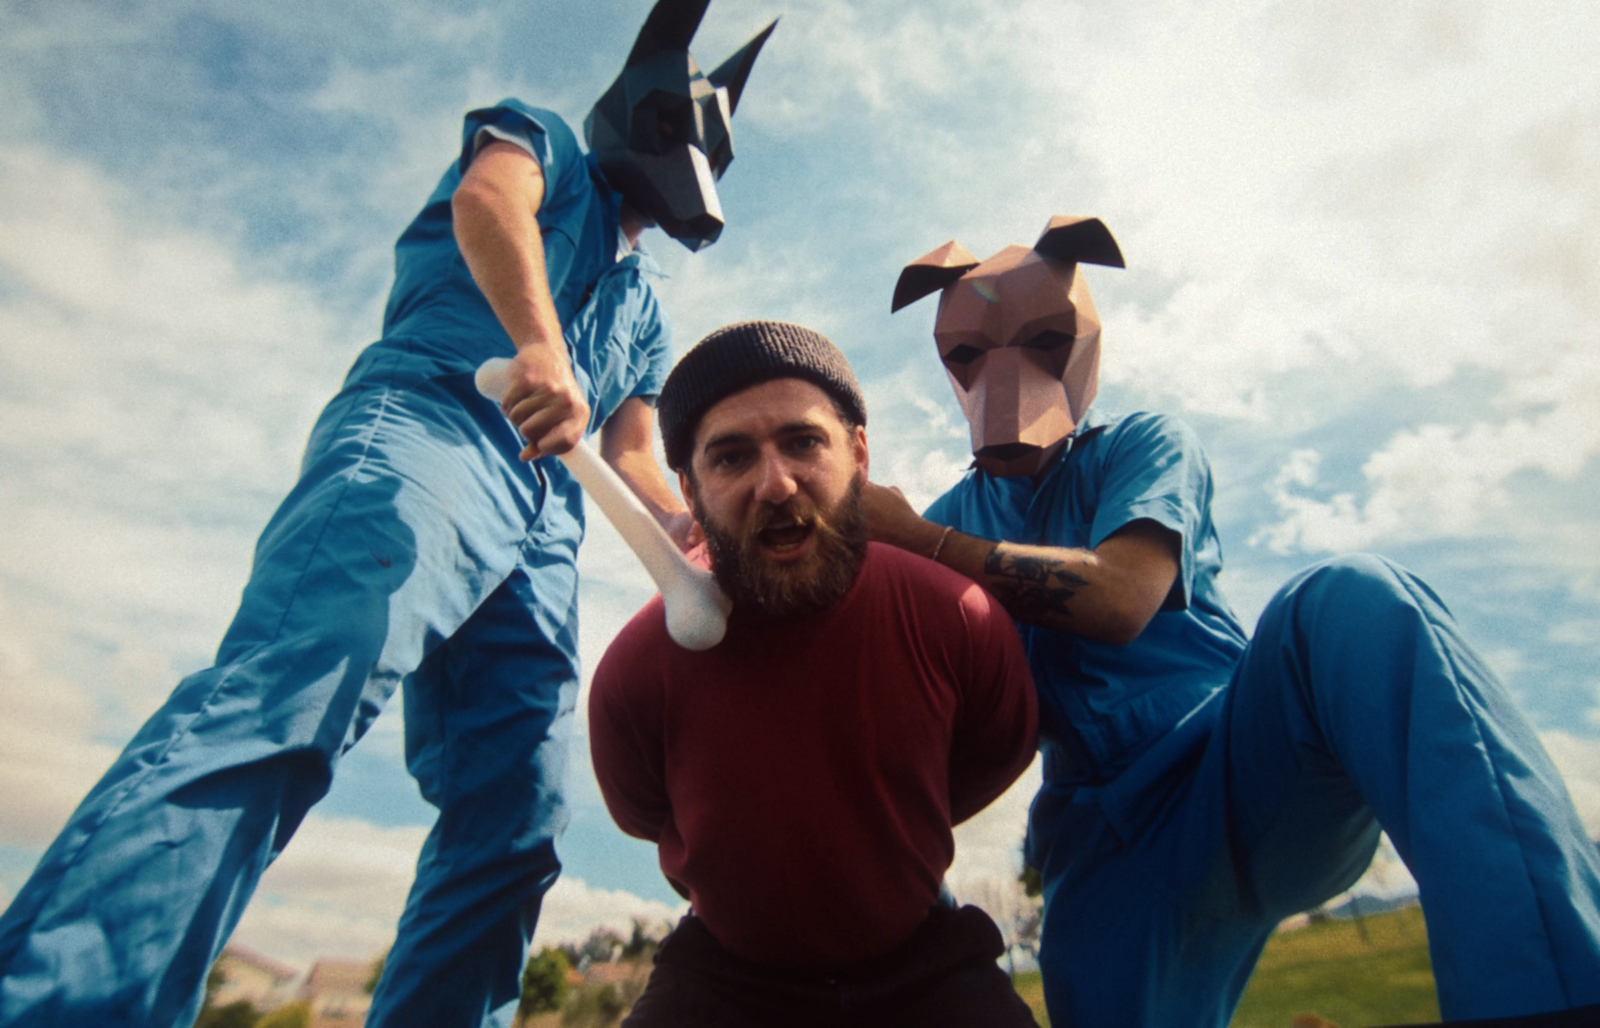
[1372, 972]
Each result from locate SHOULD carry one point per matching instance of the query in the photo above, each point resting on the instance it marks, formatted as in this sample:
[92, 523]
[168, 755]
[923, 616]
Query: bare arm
[1109, 593]
[495, 213]
[625, 443]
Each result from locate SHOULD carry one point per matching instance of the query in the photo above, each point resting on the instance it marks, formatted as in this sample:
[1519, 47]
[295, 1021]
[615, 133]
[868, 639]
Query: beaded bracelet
[934, 556]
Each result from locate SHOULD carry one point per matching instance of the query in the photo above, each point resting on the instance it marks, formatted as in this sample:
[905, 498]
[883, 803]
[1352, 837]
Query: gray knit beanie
[739, 356]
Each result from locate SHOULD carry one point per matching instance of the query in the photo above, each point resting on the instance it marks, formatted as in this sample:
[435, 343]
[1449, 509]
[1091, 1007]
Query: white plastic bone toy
[697, 609]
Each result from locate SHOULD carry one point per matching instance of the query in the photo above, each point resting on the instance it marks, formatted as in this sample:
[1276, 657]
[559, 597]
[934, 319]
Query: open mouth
[787, 537]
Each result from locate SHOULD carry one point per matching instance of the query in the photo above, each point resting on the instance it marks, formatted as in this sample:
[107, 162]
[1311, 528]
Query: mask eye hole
[675, 125]
[963, 354]
[662, 122]
[1048, 340]
[1052, 349]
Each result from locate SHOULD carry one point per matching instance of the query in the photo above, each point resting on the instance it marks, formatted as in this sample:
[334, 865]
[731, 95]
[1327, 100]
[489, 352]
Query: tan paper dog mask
[1018, 336]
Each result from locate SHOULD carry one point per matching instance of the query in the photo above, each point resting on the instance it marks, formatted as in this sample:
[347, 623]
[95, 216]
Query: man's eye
[963, 354]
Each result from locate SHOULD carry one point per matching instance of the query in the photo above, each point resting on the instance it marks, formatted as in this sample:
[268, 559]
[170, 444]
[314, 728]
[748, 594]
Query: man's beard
[790, 592]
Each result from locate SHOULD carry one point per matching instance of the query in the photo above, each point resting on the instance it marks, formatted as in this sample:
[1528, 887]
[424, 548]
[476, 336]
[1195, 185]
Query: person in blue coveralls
[1200, 784]
[430, 540]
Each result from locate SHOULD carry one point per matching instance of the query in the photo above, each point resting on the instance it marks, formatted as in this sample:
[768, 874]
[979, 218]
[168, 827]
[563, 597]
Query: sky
[1363, 246]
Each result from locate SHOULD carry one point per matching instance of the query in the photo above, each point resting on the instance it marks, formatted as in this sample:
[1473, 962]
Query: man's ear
[859, 442]
[686, 489]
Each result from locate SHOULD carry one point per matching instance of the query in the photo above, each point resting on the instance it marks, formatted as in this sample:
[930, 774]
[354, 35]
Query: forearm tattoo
[1029, 585]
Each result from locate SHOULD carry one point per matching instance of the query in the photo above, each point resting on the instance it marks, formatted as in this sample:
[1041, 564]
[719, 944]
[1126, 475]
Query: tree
[609, 1004]
[1030, 919]
[601, 947]
[643, 942]
[1032, 881]
[377, 972]
[215, 979]
[544, 982]
[239, 1014]
[293, 1015]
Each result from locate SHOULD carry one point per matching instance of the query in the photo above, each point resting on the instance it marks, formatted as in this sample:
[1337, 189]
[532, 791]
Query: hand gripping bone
[697, 610]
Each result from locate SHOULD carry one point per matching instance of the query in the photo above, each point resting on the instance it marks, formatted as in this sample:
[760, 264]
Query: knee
[1356, 588]
[1353, 571]
[1358, 612]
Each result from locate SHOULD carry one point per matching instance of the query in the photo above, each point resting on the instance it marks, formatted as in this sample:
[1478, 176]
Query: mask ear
[671, 26]
[1079, 240]
[931, 272]
[732, 72]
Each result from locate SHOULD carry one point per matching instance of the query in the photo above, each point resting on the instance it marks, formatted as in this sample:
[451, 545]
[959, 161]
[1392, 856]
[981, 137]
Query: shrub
[544, 982]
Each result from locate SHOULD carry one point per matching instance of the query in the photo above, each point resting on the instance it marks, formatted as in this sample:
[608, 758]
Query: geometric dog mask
[1019, 338]
[662, 131]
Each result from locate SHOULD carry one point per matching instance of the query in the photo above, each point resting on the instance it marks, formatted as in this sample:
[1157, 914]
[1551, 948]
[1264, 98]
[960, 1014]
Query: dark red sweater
[801, 778]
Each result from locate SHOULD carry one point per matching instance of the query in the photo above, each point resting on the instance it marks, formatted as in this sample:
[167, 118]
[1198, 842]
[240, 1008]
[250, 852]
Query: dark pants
[944, 975]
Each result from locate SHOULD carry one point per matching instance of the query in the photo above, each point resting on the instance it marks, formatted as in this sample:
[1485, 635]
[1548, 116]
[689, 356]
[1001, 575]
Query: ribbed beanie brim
[739, 356]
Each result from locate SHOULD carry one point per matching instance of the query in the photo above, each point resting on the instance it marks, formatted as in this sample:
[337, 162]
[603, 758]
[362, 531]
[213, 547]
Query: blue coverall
[416, 548]
[1201, 786]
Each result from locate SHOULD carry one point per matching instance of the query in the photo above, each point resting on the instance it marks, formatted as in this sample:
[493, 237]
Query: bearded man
[801, 777]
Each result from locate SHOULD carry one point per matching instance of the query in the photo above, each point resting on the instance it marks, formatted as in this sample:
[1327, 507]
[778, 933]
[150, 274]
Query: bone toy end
[696, 609]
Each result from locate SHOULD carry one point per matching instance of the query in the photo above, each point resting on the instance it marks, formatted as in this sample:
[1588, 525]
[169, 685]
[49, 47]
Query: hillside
[1371, 971]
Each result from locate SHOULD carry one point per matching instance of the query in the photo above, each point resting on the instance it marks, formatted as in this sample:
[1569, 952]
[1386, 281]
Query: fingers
[552, 422]
[891, 518]
[544, 403]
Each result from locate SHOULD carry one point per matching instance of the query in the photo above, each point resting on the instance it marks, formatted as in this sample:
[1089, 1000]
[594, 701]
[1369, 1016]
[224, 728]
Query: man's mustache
[787, 514]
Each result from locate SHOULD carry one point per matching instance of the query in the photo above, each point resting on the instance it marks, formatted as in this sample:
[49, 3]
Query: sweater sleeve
[998, 723]
[625, 732]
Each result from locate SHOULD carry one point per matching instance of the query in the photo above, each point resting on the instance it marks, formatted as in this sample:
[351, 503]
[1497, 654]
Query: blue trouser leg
[1358, 693]
[1357, 702]
[1142, 922]
[405, 518]
[488, 717]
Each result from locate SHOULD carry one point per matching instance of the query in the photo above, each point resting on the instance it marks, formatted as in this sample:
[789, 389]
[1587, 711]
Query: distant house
[259, 980]
[336, 991]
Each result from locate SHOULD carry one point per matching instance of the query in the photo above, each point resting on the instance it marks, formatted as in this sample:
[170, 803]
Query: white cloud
[340, 886]
[1317, 201]
[989, 856]
[337, 891]
[1578, 760]
[573, 909]
[1441, 481]
[158, 393]
[989, 845]
[1387, 877]
[48, 759]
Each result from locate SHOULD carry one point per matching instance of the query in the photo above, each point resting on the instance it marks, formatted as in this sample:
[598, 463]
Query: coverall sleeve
[1155, 469]
[517, 124]
[998, 722]
[625, 733]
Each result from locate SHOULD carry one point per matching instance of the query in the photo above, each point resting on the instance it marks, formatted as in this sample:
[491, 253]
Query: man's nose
[777, 482]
